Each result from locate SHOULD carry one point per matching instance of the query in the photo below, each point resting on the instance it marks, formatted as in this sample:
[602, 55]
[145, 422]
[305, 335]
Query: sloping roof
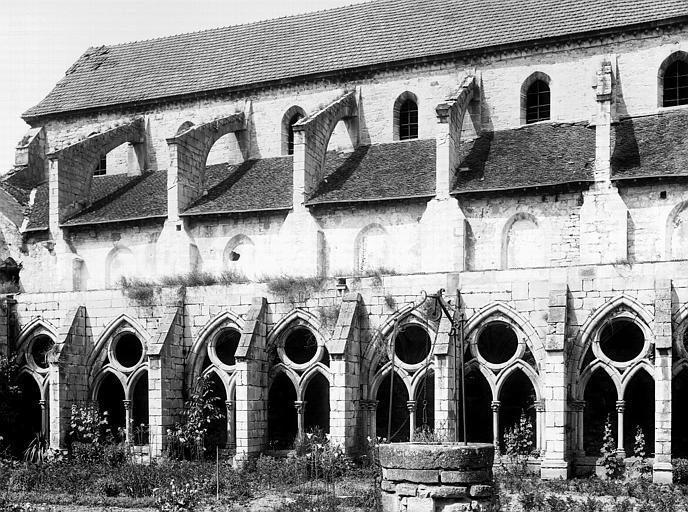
[378, 172]
[651, 146]
[21, 194]
[121, 198]
[38, 216]
[352, 37]
[532, 156]
[254, 185]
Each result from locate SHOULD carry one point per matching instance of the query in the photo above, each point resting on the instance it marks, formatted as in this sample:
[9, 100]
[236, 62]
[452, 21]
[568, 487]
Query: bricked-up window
[408, 120]
[676, 84]
[101, 168]
[537, 102]
[290, 139]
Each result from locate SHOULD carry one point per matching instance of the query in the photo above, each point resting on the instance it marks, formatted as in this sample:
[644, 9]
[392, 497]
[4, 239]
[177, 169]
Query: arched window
[673, 79]
[535, 98]
[371, 249]
[239, 256]
[290, 118]
[406, 117]
[537, 102]
[521, 235]
[119, 263]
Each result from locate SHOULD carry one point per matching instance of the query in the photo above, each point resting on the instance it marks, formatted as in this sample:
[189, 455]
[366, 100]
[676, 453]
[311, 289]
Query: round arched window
[127, 351]
[497, 343]
[412, 345]
[40, 347]
[621, 340]
[300, 346]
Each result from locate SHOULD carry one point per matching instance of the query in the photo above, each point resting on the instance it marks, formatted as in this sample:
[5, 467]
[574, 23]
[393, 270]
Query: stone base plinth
[437, 477]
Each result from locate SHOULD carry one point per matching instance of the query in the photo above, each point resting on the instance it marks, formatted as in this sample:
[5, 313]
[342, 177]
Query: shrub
[639, 443]
[232, 277]
[295, 289]
[680, 471]
[138, 290]
[173, 498]
[613, 464]
[37, 450]
[107, 486]
[187, 438]
[9, 287]
[520, 439]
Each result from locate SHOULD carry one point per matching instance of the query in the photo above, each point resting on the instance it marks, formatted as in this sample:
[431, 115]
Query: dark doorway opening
[400, 431]
[679, 415]
[640, 412]
[517, 397]
[600, 404]
[282, 421]
[217, 430]
[317, 397]
[111, 404]
[139, 411]
[478, 408]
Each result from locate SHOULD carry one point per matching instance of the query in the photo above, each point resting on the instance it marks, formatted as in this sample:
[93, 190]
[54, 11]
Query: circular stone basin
[445, 456]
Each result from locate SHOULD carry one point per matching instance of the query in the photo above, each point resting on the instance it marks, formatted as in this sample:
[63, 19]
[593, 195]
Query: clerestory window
[537, 102]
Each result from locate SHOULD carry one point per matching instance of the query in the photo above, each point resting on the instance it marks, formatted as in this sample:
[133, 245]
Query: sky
[41, 39]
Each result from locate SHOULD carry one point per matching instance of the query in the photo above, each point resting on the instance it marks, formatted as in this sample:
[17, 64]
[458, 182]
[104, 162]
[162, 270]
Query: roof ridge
[249, 23]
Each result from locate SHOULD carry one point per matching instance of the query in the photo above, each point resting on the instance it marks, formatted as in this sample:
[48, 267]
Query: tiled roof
[532, 156]
[120, 198]
[651, 146]
[38, 216]
[378, 172]
[254, 185]
[352, 37]
[21, 194]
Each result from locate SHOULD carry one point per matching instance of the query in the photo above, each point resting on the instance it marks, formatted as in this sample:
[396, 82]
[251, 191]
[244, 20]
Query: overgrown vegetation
[519, 439]
[138, 290]
[294, 289]
[611, 462]
[9, 287]
[378, 273]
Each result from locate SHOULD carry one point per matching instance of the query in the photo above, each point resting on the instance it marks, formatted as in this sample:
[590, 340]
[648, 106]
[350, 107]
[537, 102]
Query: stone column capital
[300, 406]
[127, 404]
[620, 405]
[411, 406]
[42, 403]
[495, 405]
[577, 405]
[540, 406]
[229, 404]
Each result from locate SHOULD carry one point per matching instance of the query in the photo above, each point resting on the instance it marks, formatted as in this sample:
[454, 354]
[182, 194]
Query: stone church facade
[532, 166]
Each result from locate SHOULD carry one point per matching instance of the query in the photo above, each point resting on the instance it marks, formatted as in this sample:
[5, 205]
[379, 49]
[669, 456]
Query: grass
[294, 288]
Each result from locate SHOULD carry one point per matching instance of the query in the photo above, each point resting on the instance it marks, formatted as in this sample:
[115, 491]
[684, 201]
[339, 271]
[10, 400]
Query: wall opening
[370, 249]
[300, 346]
[425, 403]
[405, 115]
[40, 347]
[478, 408]
[111, 404]
[239, 256]
[139, 411]
[412, 344]
[30, 421]
[282, 420]
[226, 345]
[317, 411]
[128, 350]
[517, 397]
[497, 343]
[226, 150]
[640, 412]
[600, 404]
[679, 415]
[400, 431]
[622, 340]
[119, 263]
[522, 235]
[289, 119]
[217, 430]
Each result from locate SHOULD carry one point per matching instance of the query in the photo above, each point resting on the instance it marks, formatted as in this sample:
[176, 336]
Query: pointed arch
[307, 376]
[511, 370]
[288, 372]
[612, 372]
[239, 255]
[100, 376]
[35, 327]
[640, 366]
[678, 367]
[490, 378]
[195, 358]
[382, 373]
[676, 233]
[603, 313]
[500, 311]
[123, 323]
[297, 318]
[418, 378]
[133, 379]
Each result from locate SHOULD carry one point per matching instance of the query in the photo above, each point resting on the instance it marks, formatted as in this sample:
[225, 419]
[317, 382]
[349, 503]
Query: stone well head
[437, 476]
